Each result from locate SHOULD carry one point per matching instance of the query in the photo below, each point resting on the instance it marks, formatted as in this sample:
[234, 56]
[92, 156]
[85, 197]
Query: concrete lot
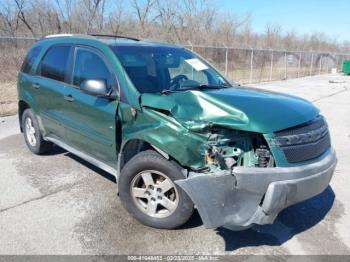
[58, 204]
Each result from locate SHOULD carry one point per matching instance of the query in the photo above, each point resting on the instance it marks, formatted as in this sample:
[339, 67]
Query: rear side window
[89, 65]
[55, 62]
[30, 59]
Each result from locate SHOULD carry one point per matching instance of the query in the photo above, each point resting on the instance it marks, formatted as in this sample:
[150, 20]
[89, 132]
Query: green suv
[173, 131]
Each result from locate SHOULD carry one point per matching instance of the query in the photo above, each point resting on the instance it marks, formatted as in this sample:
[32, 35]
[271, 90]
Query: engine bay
[227, 149]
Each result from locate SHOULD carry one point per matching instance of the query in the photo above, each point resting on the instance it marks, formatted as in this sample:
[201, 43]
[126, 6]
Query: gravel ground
[59, 204]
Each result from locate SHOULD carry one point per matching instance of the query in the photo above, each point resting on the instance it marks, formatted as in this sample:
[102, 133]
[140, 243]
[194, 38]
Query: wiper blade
[205, 87]
[166, 91]
[212, 86]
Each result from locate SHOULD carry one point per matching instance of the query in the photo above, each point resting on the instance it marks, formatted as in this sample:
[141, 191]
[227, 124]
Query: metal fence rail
[242, 65]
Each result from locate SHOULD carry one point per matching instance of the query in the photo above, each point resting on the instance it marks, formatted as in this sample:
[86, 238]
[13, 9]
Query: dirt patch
[8, 99]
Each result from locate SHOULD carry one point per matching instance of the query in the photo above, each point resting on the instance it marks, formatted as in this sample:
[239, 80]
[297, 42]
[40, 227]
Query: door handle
[69, 98]
[36, 85]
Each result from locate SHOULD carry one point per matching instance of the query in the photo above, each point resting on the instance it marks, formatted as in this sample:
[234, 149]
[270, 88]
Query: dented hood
[239, 108]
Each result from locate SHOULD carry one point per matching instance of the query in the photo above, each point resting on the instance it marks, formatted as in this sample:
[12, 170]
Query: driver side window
[187, 70]
[90, 66]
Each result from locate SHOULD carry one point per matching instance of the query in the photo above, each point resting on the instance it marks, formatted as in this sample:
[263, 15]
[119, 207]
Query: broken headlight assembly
[229, 148]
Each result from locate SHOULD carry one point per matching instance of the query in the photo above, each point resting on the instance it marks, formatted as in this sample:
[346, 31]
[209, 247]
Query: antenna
[115, 36]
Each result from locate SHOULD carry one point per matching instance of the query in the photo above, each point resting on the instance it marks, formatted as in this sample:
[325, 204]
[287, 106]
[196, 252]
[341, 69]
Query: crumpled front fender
[164, 132]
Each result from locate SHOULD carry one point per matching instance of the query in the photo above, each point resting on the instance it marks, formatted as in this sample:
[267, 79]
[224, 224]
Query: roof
[111, 40]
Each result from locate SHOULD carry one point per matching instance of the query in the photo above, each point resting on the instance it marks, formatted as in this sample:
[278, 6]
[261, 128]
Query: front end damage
[249, 178]
[247, 154]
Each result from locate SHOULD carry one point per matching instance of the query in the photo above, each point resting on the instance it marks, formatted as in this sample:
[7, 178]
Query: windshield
[167, 69]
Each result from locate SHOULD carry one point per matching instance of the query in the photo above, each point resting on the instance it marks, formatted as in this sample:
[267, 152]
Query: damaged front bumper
[247, 196]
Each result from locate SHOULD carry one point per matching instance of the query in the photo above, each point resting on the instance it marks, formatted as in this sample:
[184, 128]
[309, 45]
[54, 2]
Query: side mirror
[94, 87]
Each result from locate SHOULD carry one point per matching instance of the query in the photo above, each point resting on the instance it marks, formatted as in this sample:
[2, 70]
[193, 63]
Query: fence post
[299, 64]
[226, 60]
[251, 66]
[189, 42]
[192, 51]
[311, 64]
[342, 63]
[271, 66]
[285, 65]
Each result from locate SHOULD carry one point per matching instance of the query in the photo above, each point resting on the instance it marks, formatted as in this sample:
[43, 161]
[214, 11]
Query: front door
[91, 125]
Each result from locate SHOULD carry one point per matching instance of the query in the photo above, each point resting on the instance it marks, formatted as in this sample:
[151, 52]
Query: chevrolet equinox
[175, 133]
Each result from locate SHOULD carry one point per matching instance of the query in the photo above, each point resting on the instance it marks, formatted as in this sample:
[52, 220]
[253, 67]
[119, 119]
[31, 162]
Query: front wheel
[147, 190]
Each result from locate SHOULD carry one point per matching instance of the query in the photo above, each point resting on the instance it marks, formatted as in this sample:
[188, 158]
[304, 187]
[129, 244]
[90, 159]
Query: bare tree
[115, 19]
[8, 19]
[272, 35]
[143, 10]
[22, 16]
[65, 8]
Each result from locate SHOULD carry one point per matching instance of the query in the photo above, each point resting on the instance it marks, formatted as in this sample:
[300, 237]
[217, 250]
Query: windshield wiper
[166, 91]
[204, 87]
[213, 86]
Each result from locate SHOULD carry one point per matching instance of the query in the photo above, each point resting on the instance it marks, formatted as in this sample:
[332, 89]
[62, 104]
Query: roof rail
[57, 35]
[66, 35]
[115, 36]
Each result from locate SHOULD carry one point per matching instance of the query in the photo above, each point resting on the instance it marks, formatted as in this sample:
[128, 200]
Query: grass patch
[8, 98]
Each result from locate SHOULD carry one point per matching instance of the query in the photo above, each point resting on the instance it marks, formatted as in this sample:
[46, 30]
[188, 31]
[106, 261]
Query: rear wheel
[147, 190]
[32, 134]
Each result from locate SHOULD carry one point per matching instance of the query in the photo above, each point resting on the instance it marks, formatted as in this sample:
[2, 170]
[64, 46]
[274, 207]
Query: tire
[32, 134]
[132, 179]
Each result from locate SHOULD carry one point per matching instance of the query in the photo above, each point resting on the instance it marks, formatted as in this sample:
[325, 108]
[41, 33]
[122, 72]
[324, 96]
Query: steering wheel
[175, 82]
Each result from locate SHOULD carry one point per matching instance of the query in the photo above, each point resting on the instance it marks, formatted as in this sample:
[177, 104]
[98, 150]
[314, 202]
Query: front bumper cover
[247, 196]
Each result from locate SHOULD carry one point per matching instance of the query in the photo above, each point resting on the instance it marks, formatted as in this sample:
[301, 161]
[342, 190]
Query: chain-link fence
[238, 64]
[12, 52]
[258, 65]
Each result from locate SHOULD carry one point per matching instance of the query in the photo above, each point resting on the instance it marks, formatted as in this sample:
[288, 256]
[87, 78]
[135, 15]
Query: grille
[306, 152]
[304, 142]
[317, 123]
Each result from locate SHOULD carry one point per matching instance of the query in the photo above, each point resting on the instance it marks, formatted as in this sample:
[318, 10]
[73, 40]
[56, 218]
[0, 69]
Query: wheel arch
[132, 147]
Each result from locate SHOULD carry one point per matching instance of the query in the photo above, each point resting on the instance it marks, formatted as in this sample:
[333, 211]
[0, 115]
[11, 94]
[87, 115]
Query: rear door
[27, 78]
[50, 84]
[91, 120]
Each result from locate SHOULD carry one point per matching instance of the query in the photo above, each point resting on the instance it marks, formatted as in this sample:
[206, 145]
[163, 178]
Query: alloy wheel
[154, 193]
[30, 131]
